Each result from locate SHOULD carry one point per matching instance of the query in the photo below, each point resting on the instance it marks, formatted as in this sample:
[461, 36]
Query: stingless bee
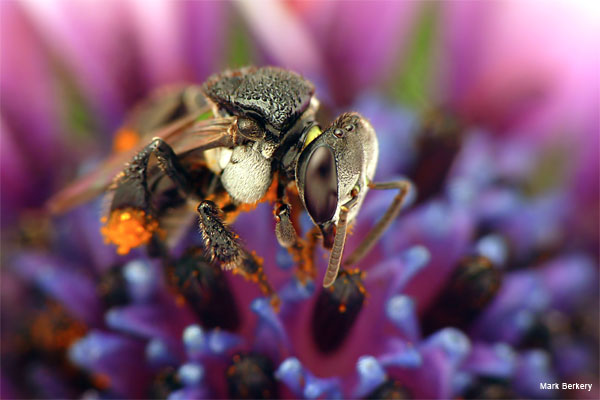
[244, 136]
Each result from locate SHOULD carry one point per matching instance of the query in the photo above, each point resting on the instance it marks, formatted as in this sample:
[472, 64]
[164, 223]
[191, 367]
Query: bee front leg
[222, 246]
[131, 221]
[403, 187]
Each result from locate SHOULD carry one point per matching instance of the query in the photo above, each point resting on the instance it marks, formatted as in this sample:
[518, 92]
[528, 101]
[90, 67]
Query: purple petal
[570, 280]
[204, 36]
[270, 332]
[358, 41]
[157, 320]
[497, 360]
[533, 368]
[74, 289]
[511, 313]
[273, 20]
[445, 232]
[401, 354]
[77, 33]
[116, 357]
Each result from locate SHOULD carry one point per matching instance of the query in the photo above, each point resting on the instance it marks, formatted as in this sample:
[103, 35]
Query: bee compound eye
[320, 180]
[349, 127]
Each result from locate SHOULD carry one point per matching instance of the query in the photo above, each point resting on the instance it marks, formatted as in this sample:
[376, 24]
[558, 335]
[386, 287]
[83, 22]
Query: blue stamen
[157, 352]
[494, 248]
[295, 291]
[291, 373]
[141, 279]
[371, 374]
[191, 374]
[402, 354]
[453, 342]
[400, 310]
[262, 308]
[284, 259]
[194, 339]
[317, 387]
[220, 341]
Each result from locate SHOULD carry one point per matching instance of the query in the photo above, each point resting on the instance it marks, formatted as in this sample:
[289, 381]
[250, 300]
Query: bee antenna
[335, 257]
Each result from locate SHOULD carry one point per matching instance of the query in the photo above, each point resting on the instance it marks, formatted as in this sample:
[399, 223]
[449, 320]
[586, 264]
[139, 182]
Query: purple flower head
[485, 285]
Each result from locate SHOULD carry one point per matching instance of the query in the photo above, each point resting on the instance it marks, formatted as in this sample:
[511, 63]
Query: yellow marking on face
[314, 133]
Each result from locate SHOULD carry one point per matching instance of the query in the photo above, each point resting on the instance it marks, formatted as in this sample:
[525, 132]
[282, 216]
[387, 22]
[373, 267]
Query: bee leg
[221, 243]
[403, 187]
[301, 250]
[222, 246]
[169, 164]
[131, 188]
[284, 229]
[131, 222]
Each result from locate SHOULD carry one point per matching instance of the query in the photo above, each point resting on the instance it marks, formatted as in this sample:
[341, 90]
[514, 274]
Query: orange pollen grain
[125, 139]
[128, 228]
[342, 308]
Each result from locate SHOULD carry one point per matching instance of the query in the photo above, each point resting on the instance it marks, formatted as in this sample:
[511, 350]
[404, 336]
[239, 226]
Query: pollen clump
[128, 228]
[125, 139]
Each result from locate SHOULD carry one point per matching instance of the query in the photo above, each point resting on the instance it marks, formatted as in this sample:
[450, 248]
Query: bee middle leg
[302, 250]
[223, 247]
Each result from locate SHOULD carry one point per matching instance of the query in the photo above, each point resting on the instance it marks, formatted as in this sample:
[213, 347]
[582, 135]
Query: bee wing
[183, 135]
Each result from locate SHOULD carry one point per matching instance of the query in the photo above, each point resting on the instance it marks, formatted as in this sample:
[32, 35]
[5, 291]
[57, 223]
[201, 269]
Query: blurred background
[490, 108]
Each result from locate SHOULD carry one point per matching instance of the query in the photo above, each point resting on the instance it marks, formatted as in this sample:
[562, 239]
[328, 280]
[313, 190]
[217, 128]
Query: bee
[244, 136]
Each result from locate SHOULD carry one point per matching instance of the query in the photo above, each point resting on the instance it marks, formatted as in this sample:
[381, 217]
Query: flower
[485, 286]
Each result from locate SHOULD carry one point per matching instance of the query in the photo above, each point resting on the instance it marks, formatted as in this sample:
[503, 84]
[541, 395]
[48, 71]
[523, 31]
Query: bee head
[333, 164]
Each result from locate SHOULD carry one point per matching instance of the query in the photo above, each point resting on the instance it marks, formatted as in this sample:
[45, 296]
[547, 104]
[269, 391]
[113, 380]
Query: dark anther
[165, 383]
[205, 289]
[489, 388]
[349, 127]
[438, 143]
[336, 310]
[113, 288]
[469, 290]
[338, 132]
[221, 243]
[251, 376]
[390, 389]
